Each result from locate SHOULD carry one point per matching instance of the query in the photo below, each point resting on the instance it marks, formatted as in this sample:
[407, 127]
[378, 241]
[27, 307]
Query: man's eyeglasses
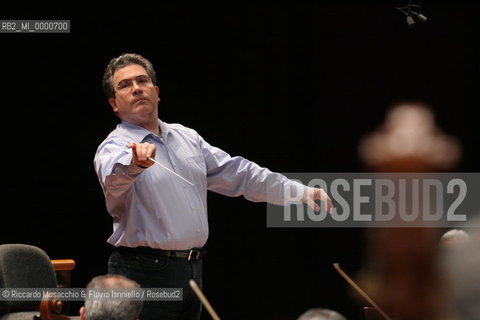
[141, 81]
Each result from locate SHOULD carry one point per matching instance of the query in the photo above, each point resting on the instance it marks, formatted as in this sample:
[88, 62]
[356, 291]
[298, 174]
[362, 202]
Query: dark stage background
[290, 86]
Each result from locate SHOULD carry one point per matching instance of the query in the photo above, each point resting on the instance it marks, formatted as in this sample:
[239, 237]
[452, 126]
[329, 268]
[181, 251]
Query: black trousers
[155, 271]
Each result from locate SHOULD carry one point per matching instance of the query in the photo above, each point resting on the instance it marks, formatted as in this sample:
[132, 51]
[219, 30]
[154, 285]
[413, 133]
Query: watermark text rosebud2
[385, 200]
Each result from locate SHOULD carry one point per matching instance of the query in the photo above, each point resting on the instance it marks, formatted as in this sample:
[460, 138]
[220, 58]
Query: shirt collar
[165, 130]
[139, 133]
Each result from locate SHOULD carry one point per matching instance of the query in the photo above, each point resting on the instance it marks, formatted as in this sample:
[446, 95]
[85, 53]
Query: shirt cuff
[294, 192]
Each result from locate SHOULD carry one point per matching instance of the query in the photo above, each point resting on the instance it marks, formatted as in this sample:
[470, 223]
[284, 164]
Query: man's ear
[157, 89]
[82, 314]
[113, 104]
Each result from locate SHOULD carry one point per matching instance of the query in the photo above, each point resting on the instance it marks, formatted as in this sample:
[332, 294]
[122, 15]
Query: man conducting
[160, 213]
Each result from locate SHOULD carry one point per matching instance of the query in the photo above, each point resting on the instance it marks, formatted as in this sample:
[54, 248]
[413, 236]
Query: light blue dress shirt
[154, 208]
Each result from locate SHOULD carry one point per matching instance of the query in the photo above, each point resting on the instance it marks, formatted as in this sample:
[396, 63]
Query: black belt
[192, 254]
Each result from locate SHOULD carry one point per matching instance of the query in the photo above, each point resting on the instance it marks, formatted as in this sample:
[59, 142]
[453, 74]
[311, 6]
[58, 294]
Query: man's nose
[136, 88]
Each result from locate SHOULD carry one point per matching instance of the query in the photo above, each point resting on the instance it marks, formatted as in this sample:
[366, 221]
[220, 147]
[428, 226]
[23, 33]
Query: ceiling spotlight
[410, 22]
[420, 16]
[412, 10]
